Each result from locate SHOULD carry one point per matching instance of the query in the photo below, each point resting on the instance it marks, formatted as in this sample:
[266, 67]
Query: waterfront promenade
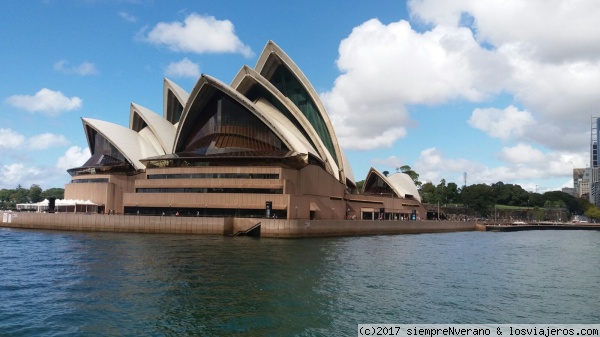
[279, 228]
[540, 226]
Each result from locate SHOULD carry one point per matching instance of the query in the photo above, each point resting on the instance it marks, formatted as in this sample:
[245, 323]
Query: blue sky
[501, 90]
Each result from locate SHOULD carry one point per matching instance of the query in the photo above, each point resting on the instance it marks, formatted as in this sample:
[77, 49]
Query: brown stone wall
[321, 228]
[121, 223]
[278, 228]
[108, 194]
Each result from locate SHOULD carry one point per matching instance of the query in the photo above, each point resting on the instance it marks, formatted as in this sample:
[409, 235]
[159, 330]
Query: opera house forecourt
[261, 150]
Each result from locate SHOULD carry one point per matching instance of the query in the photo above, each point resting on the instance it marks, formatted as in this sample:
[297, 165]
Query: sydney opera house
[262, 146]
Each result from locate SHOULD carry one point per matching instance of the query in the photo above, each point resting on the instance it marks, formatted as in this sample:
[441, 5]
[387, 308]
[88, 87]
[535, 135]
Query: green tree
[35, 193]
[593, 213]
[427, 193]
[5, 195]
[5, 201]
[59, 193]
[480, 198]
[452, 193]
[19, 195]
[509, 194]
[570, 201]
[536, 200]
[440, 192]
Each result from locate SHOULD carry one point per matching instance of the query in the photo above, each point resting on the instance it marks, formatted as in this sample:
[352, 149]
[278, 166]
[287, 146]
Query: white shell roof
[160, 127]
[206, 82]
[404, 184]
[287, 128]
[401, 183]
[133, 146]
[348, 168]
[272, 49]
[160, 137]
[324, 154]
[181, 94]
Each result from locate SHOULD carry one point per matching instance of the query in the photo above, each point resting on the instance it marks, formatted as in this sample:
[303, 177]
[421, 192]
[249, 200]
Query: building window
[210, 190]
[214, 176]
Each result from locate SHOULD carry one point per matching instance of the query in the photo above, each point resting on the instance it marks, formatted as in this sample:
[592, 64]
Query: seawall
[277, 228]
[538, 227]
[120, 223]
[321, 228]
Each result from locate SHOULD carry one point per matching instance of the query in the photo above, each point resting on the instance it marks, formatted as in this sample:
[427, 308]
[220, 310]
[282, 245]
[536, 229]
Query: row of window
[210, 190]
[214, 176]
[87, 181]
[203, 212]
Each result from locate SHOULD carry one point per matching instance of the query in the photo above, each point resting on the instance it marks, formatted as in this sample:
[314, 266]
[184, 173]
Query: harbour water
[56, 283]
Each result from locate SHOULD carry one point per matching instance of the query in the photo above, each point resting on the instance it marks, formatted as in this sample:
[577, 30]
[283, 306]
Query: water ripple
[87, 284]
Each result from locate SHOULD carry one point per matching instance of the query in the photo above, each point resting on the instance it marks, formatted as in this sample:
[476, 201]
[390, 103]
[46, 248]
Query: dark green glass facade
[290, 86]
[258, 91]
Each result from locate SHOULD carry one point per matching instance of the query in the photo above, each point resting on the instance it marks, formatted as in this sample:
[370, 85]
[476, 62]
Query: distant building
[593, 172]
[584, 185]
[261, 146]
[570, 191]
[578, 174]
[594, 136]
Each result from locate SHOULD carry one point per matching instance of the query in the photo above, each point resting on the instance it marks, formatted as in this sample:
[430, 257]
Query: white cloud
[84, 69]
[549, 30]
[47, 140]
[183, 68]
[504, 124]
[522, 154]
[391, 161]
[73, 157]
[46, 101]
[12, 175]
[522, 164]
[545, 56]
[198, 34]
[10, 139]
[432, 165]
[387, 67]
[127, 17]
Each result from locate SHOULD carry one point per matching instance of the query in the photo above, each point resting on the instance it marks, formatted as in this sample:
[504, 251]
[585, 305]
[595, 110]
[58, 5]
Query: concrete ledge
[119, 223]
[321, 228]
[273, 228]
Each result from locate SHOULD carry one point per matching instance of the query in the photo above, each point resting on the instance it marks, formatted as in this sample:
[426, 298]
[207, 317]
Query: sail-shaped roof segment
[252, 85]
[400, 184]
[210, 97]
[296, 139]
[348, 170]
[163, 131]
[404, 184]
[283, 73]
[174, 100]
[129, 143]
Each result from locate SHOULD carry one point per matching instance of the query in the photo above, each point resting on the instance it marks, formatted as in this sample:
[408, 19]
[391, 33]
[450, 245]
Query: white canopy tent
[61, 206]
